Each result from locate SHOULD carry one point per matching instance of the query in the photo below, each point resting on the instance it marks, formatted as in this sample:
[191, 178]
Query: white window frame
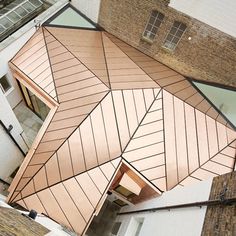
[153, 25]
[174, 35]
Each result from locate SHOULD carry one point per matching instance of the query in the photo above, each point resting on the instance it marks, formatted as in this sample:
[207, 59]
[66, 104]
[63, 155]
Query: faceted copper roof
[112, 104]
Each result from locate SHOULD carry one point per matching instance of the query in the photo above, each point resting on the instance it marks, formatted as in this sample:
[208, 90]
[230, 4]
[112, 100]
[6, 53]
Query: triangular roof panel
[88, 48]
[33, 61]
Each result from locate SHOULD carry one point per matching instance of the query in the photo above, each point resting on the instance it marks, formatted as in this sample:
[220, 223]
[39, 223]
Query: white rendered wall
[10, 155]
[90, 8]
[216, 13]
[178, 222]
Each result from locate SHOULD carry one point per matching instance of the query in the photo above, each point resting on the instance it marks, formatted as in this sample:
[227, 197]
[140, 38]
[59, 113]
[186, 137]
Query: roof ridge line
[76, 56]
[60, 145]
[131, 58]
[50, 65]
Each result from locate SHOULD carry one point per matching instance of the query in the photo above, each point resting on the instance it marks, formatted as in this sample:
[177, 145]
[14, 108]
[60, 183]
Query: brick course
[209, 55]
[221, 220]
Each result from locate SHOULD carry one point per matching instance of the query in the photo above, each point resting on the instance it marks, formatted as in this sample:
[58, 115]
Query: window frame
[9, 83]
[120, 187]
[153, 25]
[174, 35]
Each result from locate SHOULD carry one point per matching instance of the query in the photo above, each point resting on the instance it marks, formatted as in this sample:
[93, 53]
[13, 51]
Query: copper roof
[111, 103]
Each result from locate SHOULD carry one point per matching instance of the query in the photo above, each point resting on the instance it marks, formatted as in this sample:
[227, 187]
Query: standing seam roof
[115, 103]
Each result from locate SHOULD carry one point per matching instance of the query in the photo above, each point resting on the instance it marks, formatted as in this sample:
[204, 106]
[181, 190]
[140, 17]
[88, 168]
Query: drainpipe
[222, 201]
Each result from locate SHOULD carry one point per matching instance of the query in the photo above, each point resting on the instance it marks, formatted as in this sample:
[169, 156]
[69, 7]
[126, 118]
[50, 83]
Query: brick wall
[209, 55]
[221, 220]
[13, 223]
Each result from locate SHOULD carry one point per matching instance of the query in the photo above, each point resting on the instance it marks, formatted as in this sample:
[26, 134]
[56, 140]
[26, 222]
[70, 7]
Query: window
[115, 228]
[153, 25]
[174, 35]
[124, 192]
[120, 203]
[4, 84]
[139, 227]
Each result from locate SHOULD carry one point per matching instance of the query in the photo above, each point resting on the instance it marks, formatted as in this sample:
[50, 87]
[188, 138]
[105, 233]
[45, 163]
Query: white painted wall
[178, 222]
[8, 117]
[90, 8]
[216, 13]
[10, 155]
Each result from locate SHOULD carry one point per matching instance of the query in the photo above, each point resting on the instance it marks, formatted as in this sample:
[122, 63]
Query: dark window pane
[176, 24]
[173, 30]
[145, 34]
[149, 27]
[124, 191]
[157, 23]
[152, 20]
[5, 84]
[160, 16]
[183, 27]
[116, 226]
[169, 37]
[175, 40]
[179, 33]
[154, 14]
[154, 30]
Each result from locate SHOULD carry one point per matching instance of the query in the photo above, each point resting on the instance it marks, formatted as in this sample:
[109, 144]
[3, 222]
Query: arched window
[153, 25]
[174, 35]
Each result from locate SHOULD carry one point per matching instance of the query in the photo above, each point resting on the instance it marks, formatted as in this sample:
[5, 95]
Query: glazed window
[124, 191]
[4, 84]
[153, 25]
[174, 35]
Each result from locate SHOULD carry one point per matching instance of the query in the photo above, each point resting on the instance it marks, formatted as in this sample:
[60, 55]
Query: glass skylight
[223, 99]
[69, 17]
[15, 12]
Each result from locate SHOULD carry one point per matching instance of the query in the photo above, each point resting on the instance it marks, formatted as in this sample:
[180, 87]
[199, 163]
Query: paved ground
[103, 223]
[29, 121]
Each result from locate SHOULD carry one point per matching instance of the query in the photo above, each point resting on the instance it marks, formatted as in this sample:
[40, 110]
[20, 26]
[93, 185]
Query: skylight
[15, 14]
[70, 17]
[223, 99]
